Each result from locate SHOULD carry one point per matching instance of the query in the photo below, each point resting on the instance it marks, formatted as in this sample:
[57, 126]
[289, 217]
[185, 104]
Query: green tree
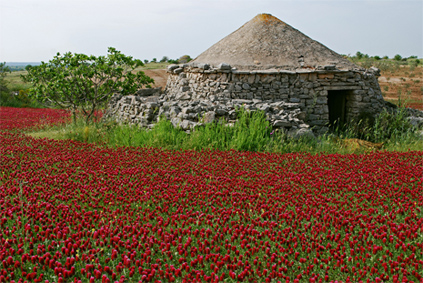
[359, 55]
[397, 57]
[164, 59]
[4, 90]
[185, 59]
[85, 83]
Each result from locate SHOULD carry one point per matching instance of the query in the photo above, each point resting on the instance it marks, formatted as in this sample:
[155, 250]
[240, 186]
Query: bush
[385, 126]
[85, 83]
[164, 59]
[397, 57]
[15, 96]
[389, 125]
[184, 59]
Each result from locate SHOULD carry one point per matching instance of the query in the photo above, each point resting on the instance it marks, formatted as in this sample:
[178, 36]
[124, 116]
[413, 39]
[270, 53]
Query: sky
[35, 30]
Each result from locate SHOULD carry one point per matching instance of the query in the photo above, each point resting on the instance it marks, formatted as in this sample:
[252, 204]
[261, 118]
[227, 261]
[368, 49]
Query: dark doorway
[337, 100]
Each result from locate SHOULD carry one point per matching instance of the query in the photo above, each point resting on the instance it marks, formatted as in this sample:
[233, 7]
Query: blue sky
[35, 30]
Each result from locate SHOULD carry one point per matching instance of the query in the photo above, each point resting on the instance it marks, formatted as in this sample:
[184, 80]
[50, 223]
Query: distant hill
[18, 66]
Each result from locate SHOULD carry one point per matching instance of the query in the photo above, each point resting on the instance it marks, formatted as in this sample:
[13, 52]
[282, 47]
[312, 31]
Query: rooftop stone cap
[265, 42]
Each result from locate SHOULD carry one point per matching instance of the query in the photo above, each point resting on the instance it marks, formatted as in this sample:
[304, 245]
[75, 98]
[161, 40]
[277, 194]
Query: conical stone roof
[266, 42]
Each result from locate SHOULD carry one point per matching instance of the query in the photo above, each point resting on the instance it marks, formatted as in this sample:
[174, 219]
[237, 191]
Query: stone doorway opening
[337, 101]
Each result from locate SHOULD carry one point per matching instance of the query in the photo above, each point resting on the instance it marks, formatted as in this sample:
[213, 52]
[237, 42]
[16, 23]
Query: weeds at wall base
[251, 133]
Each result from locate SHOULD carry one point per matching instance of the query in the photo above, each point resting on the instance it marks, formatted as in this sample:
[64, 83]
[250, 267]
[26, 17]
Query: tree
[359, 55]
[154, 60]
[81, 82]
[185, 59]
[4, 90]
[164, 59]
[4, 70]
[397, 57]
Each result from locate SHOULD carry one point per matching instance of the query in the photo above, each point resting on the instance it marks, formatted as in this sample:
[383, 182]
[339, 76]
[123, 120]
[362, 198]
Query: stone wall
[295, 101]
[308, 89]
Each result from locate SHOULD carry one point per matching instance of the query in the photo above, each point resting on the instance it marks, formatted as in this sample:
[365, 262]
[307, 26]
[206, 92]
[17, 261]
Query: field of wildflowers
[78, 212]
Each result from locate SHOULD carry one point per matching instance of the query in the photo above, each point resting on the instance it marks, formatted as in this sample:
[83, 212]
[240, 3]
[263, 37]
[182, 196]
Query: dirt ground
[159, 76]
[404, 83]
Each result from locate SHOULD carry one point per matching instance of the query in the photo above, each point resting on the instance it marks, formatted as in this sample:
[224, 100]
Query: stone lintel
[342, 87]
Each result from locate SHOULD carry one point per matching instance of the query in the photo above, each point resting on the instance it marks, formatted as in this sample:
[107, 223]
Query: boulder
[176, 121]
[148, 91]
[209, 117]
[302, 133]
[416, 122]
[282, 124]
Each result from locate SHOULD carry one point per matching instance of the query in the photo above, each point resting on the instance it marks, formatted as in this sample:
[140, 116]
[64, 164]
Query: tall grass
[251, 133]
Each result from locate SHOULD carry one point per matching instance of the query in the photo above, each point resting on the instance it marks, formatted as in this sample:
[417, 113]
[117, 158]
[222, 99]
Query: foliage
[164, 59]
[72, 211]
[81, 82]
[397, 57]
[359, 55]
[391, 125]
[384, 63]
[4, 90]
[13, 95]
[184, 59]
[386, 127]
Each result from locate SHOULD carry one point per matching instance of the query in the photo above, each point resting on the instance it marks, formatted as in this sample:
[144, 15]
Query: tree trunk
[74, 115]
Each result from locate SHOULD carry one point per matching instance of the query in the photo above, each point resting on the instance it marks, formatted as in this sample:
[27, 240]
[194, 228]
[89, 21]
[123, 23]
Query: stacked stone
[308, 89]
[294, 101]
[189, 114]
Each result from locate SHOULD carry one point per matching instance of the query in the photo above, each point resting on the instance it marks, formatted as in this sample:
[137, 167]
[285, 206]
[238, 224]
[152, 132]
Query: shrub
[185, 59]
[397, 57]
[85, 83]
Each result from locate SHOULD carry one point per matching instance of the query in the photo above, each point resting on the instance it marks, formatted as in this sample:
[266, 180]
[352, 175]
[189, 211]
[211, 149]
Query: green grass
[387, 65]
[15, 82]
[251, 133]
[152, 65]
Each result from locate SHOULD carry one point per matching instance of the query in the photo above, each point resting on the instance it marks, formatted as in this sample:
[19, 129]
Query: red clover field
[78, 212]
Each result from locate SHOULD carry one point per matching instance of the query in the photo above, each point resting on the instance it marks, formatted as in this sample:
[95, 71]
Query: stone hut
[267, 65]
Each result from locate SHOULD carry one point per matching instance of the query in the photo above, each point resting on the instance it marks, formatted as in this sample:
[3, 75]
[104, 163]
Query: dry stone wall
[307, 89]
[296, 101]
